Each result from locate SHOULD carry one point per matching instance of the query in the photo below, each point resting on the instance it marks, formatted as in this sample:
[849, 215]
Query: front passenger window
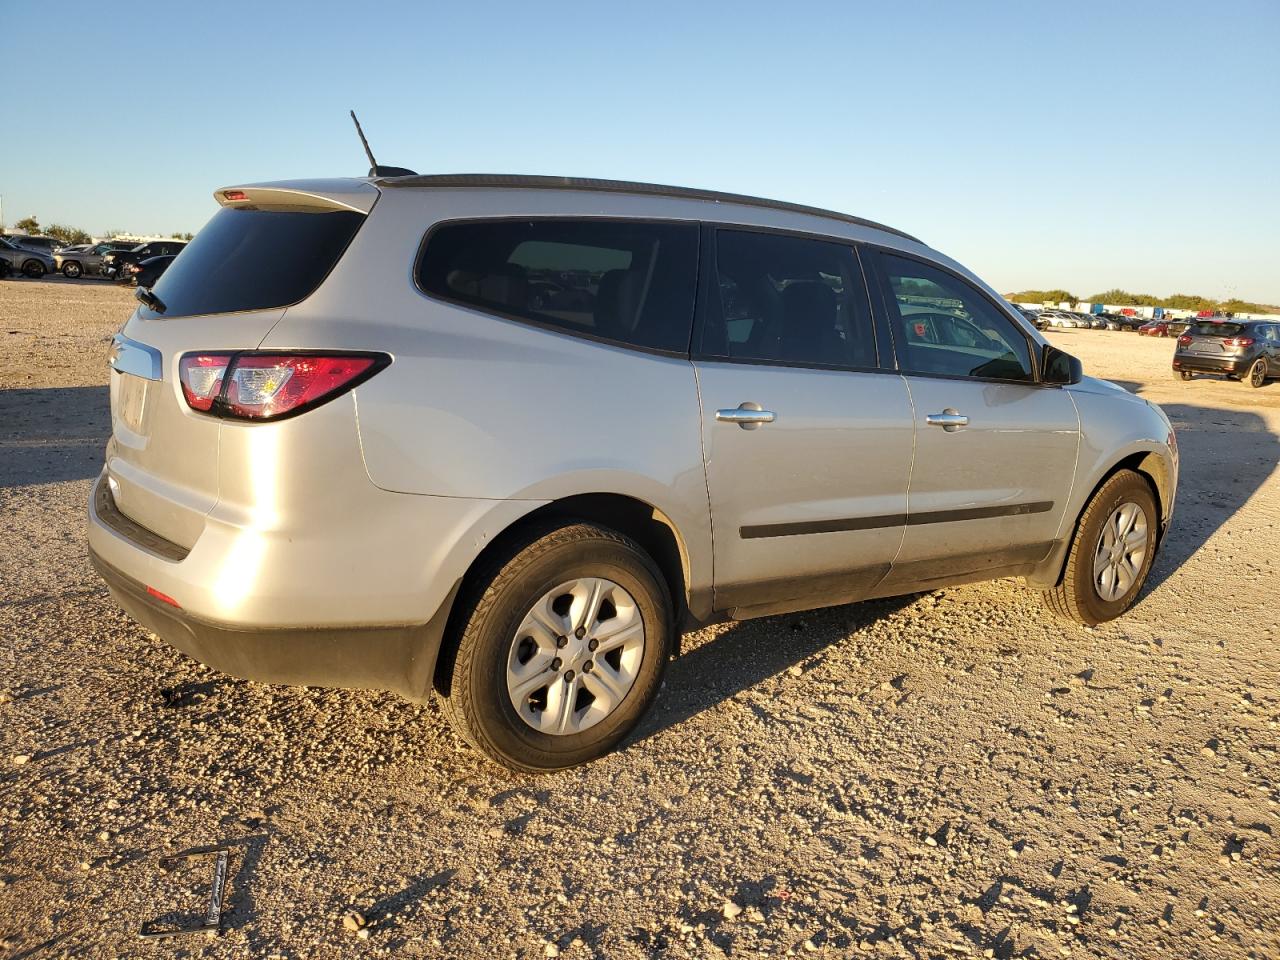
[943, 325]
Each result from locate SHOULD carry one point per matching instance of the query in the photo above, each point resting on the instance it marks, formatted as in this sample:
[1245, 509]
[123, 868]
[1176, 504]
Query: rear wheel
[1183, 374]
[1257, 375]
[71, 270]
[562, 650]
[1111, 552]
[33, 269]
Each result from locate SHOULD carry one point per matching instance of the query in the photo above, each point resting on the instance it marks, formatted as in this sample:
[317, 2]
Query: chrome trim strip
[132, 357]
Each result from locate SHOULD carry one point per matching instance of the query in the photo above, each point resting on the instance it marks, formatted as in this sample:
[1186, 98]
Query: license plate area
[130, 401]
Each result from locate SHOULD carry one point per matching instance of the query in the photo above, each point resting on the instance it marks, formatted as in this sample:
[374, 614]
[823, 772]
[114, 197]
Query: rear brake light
[1184, 340]
[1238, 342]
[234, 195]
[269, 386]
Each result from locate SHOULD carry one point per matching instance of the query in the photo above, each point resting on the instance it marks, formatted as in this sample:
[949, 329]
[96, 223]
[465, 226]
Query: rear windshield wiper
[150, 299]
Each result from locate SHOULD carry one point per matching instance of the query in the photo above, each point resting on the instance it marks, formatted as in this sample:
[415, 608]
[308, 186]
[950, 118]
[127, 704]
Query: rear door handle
[747, 415]
[949, 420]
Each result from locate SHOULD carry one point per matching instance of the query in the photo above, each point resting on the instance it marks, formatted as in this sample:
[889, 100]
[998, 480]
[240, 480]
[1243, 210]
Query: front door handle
[747, 415]
[949, 420]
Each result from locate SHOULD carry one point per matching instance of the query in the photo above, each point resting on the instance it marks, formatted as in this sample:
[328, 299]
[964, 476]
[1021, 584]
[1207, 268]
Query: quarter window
[628, 281]
[790, 300]
[943, 325]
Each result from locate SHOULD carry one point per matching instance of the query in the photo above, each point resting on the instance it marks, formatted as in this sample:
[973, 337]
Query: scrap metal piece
[212, 921]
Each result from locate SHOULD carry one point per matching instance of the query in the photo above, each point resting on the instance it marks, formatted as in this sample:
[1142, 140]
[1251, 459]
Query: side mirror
[1058, 366]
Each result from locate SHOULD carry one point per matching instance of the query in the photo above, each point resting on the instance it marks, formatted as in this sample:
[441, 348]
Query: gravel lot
[947, 774]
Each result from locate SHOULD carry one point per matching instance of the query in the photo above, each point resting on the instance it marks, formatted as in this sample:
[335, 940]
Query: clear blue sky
[1080, 144]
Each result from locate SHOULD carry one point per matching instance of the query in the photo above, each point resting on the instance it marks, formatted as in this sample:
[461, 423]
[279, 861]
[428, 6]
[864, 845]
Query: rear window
[626, 281]
[255, 260]
[1208, 328]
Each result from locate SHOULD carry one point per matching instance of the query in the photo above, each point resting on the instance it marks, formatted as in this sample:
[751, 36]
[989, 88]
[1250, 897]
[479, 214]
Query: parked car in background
[30, 263]
[459, 539]
[1154, 328]
[113, 262]
[146, 273]
[1057, 318]
[39, 244]
[1176, 328]
[1247, 350]
[87, 259]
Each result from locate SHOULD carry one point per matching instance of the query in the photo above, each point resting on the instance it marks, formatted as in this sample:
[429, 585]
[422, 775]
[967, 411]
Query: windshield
[255, 260]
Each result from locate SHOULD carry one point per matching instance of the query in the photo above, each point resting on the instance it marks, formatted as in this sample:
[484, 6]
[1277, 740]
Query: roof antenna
[374, 169]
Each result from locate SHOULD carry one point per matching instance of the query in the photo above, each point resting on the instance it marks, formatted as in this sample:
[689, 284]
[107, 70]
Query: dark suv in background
[113, 263]
[1247, 350]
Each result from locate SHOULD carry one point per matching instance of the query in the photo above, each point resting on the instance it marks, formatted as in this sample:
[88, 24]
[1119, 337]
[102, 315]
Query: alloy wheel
[575, 656]
[1122, 549]
[1258, 372]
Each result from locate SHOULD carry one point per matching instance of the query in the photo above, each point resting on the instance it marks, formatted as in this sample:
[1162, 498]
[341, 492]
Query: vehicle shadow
[749, 652]
[53, 434]
[1208, 495]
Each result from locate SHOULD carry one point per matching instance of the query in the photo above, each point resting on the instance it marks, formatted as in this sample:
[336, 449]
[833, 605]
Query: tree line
[69, 235]
[1123, 298]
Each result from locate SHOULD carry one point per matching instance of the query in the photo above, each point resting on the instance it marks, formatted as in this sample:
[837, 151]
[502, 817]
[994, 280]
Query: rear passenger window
[628, 281]
[943, 325]
[789, 300]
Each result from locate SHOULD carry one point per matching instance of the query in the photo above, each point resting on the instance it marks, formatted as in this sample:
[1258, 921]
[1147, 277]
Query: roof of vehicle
[521, 182]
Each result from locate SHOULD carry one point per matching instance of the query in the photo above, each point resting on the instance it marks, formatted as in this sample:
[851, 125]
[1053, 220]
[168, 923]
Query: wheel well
[1152, 468]
[642, 522]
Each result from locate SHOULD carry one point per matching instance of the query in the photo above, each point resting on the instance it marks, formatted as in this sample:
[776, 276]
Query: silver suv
[504, 438]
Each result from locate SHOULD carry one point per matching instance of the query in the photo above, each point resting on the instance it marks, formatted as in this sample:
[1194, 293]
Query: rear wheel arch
[642, 522]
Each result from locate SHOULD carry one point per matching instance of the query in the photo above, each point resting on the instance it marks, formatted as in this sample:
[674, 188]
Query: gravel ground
[952, 773]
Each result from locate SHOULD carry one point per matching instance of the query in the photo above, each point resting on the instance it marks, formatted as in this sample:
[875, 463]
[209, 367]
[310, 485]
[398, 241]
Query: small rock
[730, 910]
[795, 671]
[20, 758]
[810, 946]
[363, 933]
[550, 950]
[1210, 749]
[354, 921]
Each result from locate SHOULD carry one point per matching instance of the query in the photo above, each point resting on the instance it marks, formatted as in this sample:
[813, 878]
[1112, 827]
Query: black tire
[1183, 374]
[72, 270]
[1075, 597]
[33, 269]
[1257, 374]
[475, 697]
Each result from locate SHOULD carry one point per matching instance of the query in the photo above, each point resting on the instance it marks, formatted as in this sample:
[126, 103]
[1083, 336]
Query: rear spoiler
[356, 195]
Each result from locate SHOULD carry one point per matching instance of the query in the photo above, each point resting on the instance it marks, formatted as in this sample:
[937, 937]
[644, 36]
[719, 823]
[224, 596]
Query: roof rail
[518, 181]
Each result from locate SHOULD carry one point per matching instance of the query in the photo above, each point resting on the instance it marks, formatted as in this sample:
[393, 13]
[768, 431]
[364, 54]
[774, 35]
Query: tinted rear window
[627, 281]
[1207, 328]
[255, 260]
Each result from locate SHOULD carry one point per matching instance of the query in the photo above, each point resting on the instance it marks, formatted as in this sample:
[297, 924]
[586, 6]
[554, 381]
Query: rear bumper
[400, 659]
[1191, 361]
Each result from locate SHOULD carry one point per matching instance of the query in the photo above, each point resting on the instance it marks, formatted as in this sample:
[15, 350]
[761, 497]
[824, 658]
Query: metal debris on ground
[211, 923]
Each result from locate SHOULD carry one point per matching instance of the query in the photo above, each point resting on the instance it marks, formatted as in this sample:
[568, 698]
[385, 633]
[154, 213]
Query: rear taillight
[1184, 340]
[201, 375]
[270, 386]
[1238, 342]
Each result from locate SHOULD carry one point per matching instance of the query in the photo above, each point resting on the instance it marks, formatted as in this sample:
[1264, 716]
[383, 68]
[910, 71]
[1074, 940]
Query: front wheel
[1111, 552]
[1257, 375]
[33, 269]
[71, 270]
[562, 650]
